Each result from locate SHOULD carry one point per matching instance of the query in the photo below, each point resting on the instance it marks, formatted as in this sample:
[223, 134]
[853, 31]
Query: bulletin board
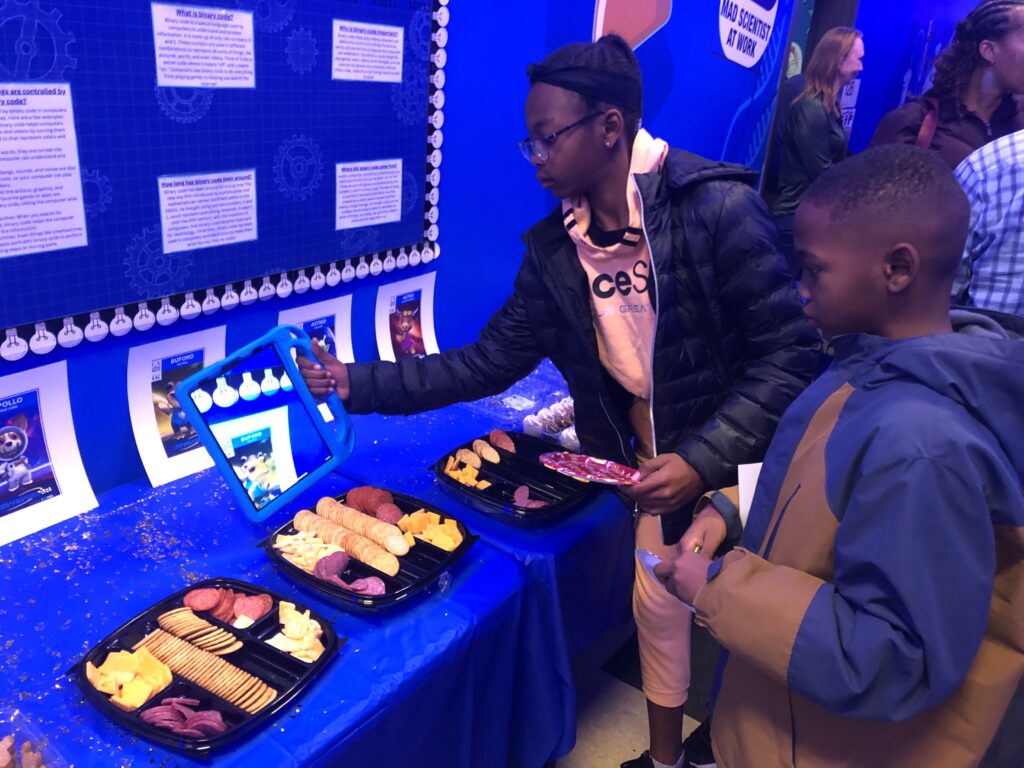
[287, 123]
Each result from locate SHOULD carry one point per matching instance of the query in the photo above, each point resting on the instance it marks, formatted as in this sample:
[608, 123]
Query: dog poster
[42, 480]
[168, 444]
[328, 323]
[405, 319]
[258, 447]
[176, 433]
[256, 466]
[26, 472]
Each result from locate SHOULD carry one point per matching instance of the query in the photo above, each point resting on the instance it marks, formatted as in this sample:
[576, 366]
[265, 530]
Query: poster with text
[168, 444]
[327, 322]
[41, 203]
[258, 447]
[405, 318]
[42, 480]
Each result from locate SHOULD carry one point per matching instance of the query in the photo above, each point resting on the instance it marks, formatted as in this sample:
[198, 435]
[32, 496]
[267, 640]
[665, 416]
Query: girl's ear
[612, 126]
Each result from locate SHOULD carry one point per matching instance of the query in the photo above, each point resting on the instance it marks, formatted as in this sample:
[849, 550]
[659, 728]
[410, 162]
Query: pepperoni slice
[202, 599]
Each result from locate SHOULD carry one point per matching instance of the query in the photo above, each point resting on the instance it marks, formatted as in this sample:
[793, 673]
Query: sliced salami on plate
[590, 469]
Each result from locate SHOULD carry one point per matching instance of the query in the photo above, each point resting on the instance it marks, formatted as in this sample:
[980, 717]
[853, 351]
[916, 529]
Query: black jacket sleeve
[778, 349]
[506, 351]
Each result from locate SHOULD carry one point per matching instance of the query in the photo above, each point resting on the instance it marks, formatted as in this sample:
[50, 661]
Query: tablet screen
[261, 425]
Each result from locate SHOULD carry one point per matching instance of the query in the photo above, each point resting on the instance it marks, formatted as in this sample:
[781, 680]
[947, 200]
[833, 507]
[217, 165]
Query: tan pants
[662, 624]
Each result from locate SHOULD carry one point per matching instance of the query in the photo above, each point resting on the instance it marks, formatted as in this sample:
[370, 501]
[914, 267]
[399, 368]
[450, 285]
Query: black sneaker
[697, 747]
[644, 761]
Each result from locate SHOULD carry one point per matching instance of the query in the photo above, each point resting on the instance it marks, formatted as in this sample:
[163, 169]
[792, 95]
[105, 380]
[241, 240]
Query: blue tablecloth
[579, 572]
[429, 684]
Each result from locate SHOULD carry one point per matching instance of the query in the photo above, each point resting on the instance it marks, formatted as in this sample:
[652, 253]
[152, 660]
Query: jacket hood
[979, 366]
[680, 170]
[685, 168]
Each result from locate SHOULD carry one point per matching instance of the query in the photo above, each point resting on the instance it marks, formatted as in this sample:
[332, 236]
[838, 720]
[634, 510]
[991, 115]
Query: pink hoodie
[620, 279]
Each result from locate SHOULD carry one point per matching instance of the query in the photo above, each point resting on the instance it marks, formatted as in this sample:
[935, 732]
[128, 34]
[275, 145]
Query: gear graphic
[151, 272]
[357, 242]
[40, 46]
[298, 167]
[96, 192]
[269, 15]
[301, 50]
[409, 97]
[410, 193]
[184, 105]
[419, 34]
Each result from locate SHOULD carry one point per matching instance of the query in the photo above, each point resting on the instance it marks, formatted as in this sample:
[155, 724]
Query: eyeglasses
[539, 148]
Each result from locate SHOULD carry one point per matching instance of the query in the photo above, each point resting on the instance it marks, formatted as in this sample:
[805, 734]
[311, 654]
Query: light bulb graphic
[249, 389]
[270, 384]
[202, 400]
[286, 383]
[224, 395]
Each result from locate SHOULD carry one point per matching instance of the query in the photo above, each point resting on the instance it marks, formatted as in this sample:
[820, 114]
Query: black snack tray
[523, 467]
[282, 671]
[418, 571]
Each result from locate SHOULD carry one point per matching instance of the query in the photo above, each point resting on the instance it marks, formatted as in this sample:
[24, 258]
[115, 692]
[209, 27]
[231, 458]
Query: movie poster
[327, 322]
[42, 480]
[405, 319]
[168, 444]
[26, 471]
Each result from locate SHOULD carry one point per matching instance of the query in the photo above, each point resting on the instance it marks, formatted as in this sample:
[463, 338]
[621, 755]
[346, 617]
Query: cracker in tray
[208, 671]
[183, 623]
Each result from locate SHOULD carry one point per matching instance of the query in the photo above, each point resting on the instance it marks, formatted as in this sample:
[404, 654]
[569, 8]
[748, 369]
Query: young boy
[872, 615]
[658, 290]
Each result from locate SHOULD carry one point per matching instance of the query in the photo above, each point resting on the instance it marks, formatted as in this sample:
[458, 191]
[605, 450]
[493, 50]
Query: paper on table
[748, 474]
[648, 561]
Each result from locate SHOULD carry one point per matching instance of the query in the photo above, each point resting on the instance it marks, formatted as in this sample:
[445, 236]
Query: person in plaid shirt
[991, 274]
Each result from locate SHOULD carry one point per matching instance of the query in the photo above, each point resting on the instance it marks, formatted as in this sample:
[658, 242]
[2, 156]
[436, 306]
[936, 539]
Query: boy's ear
[902, 265]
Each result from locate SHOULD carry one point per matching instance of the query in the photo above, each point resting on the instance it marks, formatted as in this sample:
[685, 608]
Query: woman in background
[812, 138]
[971, 101]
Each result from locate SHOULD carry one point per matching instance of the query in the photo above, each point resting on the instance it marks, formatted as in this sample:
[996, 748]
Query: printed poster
[258, 448]
[405, 318]
[168, 444]
[41, 203]
[329, 324]
[203, 47]
[42, 480]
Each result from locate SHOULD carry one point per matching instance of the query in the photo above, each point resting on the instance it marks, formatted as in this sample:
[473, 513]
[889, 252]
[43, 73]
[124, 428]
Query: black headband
[598, 84]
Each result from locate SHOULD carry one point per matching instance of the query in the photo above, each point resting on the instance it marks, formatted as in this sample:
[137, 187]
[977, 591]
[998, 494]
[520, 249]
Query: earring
[608, 144]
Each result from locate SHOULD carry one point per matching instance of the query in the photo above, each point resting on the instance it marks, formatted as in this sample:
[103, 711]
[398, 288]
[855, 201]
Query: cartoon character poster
[405, 326]
[26, 471]
[168, 444]
[258, 447]
[42, 480]
[256, 467]
[321, 332]
[327, 322]
[176, 433]
[405, 318]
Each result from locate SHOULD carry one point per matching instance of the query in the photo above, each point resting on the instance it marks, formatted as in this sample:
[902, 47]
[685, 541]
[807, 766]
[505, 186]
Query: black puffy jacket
[731, 350]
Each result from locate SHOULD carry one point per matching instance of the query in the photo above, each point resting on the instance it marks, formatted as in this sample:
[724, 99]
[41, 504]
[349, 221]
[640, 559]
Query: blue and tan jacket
[873, 614]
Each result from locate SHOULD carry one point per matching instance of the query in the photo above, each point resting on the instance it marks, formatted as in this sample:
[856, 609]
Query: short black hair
[611, 53]
[898, 183]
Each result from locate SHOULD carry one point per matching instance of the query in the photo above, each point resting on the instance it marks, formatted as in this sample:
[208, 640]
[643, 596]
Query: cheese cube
[119, 661]
[133, 695]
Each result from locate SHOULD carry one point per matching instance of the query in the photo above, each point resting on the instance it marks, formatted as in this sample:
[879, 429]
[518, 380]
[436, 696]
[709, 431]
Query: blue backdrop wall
[696, 99]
